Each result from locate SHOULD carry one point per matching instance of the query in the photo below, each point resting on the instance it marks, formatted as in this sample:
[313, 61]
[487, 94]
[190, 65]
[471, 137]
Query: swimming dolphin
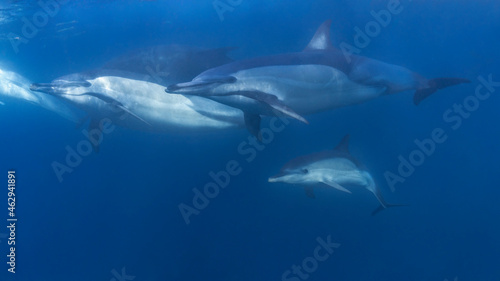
[295, 84]
[141, 105]
[14, 88]
[136, 99]
[334, 168]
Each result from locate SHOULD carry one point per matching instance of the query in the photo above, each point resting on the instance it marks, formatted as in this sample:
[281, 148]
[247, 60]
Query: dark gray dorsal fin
[321, 39]
[343, 145]
[273, 102]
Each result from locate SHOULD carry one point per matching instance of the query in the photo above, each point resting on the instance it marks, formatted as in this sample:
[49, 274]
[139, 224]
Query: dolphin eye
[305, 171]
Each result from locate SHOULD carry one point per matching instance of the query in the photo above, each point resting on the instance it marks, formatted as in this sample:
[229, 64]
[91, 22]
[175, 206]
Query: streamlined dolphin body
[129, 91]
[295, 84]
[334, 168]
[14, 87]
[167, 64]
[133, 103]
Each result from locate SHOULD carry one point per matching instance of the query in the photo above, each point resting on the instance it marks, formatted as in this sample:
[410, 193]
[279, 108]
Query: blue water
[118, 210]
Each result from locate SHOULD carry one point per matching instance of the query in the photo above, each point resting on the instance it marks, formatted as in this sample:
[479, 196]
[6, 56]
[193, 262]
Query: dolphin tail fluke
[434, 85]
[383, 204]
[383, 207]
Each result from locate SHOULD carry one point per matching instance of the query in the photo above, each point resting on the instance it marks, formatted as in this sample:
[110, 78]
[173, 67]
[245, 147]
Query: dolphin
[15, 88]
[140, 105]
[317, 79]
[335, 168]
[129, 90]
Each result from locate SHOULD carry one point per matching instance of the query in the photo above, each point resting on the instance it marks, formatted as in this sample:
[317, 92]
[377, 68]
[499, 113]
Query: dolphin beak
[199, 86]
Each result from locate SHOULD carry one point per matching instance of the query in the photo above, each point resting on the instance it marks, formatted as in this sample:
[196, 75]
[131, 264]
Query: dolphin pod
[147, 90]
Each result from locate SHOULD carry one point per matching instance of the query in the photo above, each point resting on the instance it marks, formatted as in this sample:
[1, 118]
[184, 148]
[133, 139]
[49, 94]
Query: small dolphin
[295, 84]
[334, 168]
[133, 86]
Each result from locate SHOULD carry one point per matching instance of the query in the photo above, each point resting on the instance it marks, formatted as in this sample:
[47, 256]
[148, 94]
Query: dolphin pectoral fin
[120, 106]
[114, 103]
[434, 85]
[336, 186]
[274, 103]
[252, 122]
[310, 192]
[321, 39]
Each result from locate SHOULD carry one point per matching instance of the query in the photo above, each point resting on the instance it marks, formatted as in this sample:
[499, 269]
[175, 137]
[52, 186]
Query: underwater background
[118, 211]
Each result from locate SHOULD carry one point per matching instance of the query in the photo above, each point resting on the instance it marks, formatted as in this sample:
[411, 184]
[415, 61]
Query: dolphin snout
[199, 86]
